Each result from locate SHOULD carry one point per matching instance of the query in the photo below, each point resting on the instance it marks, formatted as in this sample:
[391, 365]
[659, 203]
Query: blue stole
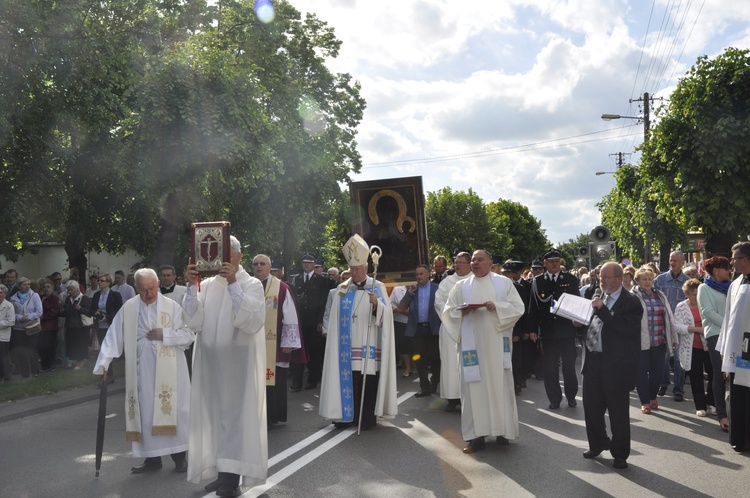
[346, 309]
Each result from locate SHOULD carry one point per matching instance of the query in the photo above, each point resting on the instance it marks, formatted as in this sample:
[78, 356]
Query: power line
[546, 144]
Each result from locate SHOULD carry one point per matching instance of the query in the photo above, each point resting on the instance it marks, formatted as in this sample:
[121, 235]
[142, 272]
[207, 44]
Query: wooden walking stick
[375, 253]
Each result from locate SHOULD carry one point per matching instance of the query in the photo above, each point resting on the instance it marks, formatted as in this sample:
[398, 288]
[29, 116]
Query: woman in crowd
[657, 337]
[628, 275]
[693, 349]
[104, 306]
[93, 286]
[47, 344]
[712, 301]
[400, 318]
[7, 320]
[76, 332]
[28, 307]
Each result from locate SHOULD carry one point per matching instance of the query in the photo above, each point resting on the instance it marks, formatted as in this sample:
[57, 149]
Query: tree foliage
[122, 121]
[524, 234]
[699, 153]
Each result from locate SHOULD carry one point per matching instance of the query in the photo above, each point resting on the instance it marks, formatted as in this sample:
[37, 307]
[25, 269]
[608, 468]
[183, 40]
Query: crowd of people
[207, 383]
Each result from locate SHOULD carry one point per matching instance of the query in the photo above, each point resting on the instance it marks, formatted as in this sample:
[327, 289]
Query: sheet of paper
[574, 308]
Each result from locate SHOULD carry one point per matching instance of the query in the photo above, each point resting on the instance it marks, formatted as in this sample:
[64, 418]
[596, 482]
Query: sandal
[724, 423]
[407, 374]
[654, 405]
[645, 409]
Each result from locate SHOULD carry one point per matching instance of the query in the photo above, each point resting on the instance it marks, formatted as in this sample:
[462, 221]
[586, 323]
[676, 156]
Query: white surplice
[450, 382]
[228, 410]
[179, 336]
[381, 336]
[488, 407]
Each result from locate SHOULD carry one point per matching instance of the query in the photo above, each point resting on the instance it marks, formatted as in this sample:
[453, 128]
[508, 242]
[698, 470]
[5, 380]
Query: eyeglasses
[103, 280]
[260, 263]
[738, 258]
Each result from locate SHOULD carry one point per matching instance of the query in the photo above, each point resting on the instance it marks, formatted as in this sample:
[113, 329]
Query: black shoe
[342, 425]
[518, 390]
[678, 397]
[554, 406]
[592, 453]
[474, 446]
[434, 388]
[294, 389]
[620, 463]
[146, 467]
[181, 466]
[423, 393]
[572, 403]
[227, 490]
[311, 385]
[212, 486]
[452, 405]
[662, 391]
[502, 441]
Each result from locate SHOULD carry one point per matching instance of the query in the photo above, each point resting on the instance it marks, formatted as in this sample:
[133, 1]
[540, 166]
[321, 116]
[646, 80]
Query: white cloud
[450, 78]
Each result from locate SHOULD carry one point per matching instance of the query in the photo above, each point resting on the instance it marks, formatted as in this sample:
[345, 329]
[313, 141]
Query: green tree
[458, 220]
[522, 236]
[699, 152]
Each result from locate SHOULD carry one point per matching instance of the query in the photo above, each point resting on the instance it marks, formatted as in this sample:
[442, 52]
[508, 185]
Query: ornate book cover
[209, 245]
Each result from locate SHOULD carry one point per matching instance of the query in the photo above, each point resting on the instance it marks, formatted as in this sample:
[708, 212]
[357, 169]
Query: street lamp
[646, 105]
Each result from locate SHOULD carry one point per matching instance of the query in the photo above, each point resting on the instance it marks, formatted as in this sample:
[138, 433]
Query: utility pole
[620, 160]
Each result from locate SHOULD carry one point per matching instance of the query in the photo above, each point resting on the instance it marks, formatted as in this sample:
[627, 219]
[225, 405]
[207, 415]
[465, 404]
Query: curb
[44, 405]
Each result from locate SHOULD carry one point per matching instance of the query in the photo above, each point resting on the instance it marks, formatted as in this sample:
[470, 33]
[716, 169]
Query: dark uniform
[311, 299]
[558, 335]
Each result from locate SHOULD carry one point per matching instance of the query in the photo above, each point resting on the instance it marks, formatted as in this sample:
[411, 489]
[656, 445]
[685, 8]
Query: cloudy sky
[505, 96]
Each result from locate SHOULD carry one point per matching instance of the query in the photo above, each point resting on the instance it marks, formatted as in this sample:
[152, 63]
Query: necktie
[307, 278]
[554, 280]
[592, 335]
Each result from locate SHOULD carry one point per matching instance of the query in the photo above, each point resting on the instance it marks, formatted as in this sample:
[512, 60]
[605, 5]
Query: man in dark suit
[311, 290]
[610, 366]
[558, 335]
[440, 265]
[512, 270]
[423, 328]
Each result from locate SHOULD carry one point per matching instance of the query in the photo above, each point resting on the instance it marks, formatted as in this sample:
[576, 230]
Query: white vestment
[179, 336]
[381, 337]
[488, 407]
[177, 294]
[228, 410]
[450, 383]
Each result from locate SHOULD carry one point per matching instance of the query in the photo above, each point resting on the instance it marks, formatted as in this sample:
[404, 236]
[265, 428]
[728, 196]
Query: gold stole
[272, 321]
[165, 383]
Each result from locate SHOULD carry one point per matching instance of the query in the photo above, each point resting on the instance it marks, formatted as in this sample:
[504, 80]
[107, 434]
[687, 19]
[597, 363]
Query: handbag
[86, 320]
[33, 326]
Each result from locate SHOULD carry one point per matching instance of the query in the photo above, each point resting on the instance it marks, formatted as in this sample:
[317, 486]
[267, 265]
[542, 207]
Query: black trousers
[276, 404]
[599, 397]
[427, 346]
[371, 394]
[315, 347]
[6, 367]
[46, 346]
[739, 415]
[23, 352]
[176, 458]
[517, 360]
[553, 350]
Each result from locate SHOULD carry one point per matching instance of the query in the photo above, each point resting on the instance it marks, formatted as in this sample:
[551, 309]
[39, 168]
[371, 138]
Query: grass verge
[53, 382]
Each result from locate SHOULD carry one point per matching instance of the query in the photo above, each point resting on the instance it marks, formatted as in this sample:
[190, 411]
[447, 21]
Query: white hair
[235, 244]
[144, 273]
[334, 269]
[72, 284]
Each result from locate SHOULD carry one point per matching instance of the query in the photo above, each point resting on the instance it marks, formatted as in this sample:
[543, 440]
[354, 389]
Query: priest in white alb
[450, 383]
[149, 329]
[479, 316]
[228, 433]
[361, 320]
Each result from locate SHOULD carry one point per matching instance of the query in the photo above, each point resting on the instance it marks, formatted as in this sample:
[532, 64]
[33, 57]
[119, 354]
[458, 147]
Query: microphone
[598, 292]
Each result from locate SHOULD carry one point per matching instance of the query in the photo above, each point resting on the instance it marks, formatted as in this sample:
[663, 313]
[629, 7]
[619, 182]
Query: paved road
[418, 454]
